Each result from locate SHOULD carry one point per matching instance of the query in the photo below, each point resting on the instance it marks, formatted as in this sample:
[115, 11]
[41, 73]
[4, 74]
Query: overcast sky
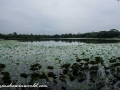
[58, 16]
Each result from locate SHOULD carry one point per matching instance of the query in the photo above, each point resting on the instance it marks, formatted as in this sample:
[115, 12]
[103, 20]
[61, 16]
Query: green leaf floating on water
[35, 67]
[50, 67]
[5, 74]
[66, 65]
[24, 75]
[2, 66]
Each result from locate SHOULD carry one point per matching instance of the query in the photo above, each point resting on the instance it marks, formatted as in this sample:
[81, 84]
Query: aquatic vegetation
[72, 78]
[6, 78]
[95, 65]
[50, 67]
[24, 76]
[65, 65]
[35, 67]
[51, 74]
[2, 66]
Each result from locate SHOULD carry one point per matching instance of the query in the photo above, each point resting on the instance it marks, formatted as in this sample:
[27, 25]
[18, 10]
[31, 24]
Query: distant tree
[102, 34]
[56, 36]
[0, 35]
[14, 34]
[113, 33]
[94, 34]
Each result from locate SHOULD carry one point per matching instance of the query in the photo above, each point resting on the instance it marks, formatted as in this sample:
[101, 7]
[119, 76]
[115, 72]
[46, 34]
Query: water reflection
[71, 41]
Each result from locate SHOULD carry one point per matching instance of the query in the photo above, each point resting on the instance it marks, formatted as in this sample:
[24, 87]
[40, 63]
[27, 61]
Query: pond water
[62, 64]
[71, 41]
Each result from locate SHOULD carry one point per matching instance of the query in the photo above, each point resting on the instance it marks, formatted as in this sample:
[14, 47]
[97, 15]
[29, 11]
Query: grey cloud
[58, 16]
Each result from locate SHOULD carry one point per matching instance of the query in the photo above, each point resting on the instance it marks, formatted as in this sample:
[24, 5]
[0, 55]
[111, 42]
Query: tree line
[113, 33]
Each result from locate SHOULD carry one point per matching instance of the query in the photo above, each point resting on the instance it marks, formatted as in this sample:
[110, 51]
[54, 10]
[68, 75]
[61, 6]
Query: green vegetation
[113, 33]
[81, 67]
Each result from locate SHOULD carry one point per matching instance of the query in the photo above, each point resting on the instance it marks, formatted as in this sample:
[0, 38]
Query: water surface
[72, 41]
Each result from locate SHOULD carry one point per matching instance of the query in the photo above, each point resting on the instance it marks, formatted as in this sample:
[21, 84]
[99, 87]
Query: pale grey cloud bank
[58, 16]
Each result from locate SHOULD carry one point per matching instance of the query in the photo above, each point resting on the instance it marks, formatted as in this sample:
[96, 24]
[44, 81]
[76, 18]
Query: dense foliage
[101, 34]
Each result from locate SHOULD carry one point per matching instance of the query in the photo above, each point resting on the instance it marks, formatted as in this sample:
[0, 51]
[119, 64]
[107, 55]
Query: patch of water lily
[88, 66]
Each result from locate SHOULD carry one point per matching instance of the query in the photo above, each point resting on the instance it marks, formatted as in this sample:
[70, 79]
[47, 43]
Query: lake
[72, 41]
[62, 64]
